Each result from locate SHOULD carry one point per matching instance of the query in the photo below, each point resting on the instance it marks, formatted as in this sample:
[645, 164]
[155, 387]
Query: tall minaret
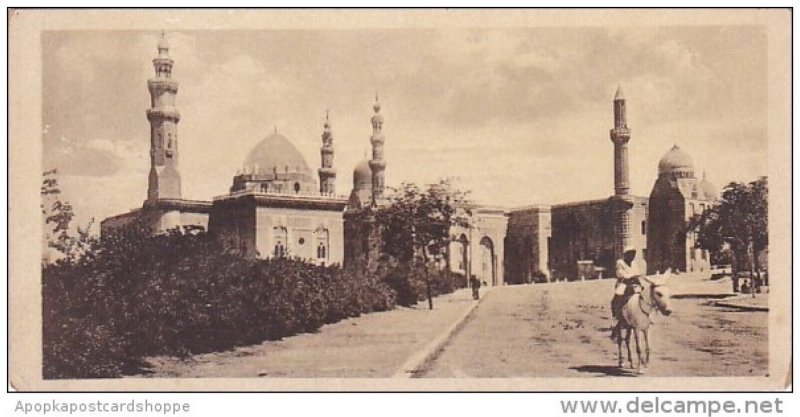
[164, 180]
[377, 164]
[620, 135]
[327, 174]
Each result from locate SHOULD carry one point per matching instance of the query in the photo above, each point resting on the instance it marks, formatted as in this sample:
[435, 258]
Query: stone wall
[583, 231]
[527, 245]
[485, 248]
[267, 226]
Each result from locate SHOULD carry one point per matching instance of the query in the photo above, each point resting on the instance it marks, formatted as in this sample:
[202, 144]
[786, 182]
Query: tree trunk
[734, 269]
[750, 267]
[430, 295]
[758, 269]
[428, 289]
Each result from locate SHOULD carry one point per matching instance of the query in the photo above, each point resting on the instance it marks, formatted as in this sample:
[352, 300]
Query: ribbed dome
[675, 160]
[362, 176]
[708, 189]
[276, 153]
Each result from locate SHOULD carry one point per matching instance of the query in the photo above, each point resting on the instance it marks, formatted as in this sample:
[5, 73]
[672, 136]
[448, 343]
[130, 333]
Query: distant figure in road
[628, 275]
[475, 284]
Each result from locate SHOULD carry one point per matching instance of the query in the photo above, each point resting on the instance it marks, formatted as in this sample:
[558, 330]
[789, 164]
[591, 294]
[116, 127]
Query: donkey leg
[638, 350]
[619, 346]
[628, 345]
[647, 346]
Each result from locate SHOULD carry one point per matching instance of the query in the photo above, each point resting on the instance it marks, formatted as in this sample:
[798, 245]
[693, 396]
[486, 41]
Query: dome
[277, 154]
[362, 176]
[708, 189]
[675, 160]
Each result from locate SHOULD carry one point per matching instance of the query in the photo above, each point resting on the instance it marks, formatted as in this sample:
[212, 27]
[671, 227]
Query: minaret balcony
[162, 84]
[377, 163]
[620, 134]
[161, 113]
[327, 171]
[163, 60]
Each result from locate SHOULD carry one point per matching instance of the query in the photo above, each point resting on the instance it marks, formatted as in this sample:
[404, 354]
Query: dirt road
[562, 329]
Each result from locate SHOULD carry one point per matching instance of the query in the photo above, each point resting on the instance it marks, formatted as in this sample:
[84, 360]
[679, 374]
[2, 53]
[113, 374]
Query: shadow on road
[702, 296]
[603, 369]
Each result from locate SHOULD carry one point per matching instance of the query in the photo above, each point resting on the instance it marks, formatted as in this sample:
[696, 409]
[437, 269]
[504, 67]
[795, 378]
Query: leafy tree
[738, 223]
[415, 228]
[57, 216]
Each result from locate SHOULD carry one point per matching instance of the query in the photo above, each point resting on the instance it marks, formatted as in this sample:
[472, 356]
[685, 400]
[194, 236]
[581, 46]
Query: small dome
[708, 189]
[675, 160]
[276, 153]
[362, 176]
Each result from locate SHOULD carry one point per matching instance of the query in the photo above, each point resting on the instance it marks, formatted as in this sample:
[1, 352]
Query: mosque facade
[583, 239]
[278, 206]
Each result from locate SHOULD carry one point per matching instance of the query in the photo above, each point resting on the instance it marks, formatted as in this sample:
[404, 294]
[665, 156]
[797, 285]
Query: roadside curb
[432, 350]
[742, 307]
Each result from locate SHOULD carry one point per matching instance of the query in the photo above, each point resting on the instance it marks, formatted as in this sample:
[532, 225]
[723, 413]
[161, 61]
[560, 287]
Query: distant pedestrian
[476, 286]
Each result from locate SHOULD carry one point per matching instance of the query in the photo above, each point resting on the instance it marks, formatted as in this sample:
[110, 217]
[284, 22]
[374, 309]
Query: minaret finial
[619, 95]
[276, 129]
[377, 105]
[163, 46]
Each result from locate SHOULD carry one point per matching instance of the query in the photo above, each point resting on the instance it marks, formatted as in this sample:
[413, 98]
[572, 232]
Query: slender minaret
[620, 135]
[164, 180]
[327, 174]
[377, 164]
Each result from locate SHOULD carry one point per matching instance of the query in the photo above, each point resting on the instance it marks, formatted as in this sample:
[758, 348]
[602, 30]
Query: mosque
[277, 206]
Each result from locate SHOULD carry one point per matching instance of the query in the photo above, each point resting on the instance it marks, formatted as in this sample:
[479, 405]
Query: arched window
[321, 240]
[280, 238]
[297, 187]
[644, 227]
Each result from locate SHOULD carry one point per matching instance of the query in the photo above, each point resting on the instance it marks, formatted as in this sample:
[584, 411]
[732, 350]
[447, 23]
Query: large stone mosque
[277, 206]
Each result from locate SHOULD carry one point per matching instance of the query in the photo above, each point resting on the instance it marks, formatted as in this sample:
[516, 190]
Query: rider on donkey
[628, 275]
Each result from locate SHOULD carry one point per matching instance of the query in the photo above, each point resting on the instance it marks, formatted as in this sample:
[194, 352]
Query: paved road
[373, 345]
[562, 330]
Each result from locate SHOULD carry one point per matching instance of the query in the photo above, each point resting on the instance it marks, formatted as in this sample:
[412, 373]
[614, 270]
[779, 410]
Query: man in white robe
[628, 275]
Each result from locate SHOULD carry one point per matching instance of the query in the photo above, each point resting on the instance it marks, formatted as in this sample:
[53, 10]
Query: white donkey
[636, 317]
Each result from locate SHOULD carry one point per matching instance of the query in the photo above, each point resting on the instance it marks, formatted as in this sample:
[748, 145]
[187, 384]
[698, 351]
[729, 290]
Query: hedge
[182, 293]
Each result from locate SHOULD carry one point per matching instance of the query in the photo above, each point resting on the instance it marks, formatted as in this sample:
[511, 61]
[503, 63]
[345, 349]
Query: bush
[539, 277]
[182, 293]
[409, 281]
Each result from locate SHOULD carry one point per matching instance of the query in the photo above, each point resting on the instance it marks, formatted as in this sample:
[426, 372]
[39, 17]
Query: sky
[515, 116]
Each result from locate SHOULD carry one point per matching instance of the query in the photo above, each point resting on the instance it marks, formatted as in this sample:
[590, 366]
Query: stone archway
[488, 269]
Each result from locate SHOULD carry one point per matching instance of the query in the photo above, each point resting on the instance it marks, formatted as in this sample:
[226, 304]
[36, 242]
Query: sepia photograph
[400, 200]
